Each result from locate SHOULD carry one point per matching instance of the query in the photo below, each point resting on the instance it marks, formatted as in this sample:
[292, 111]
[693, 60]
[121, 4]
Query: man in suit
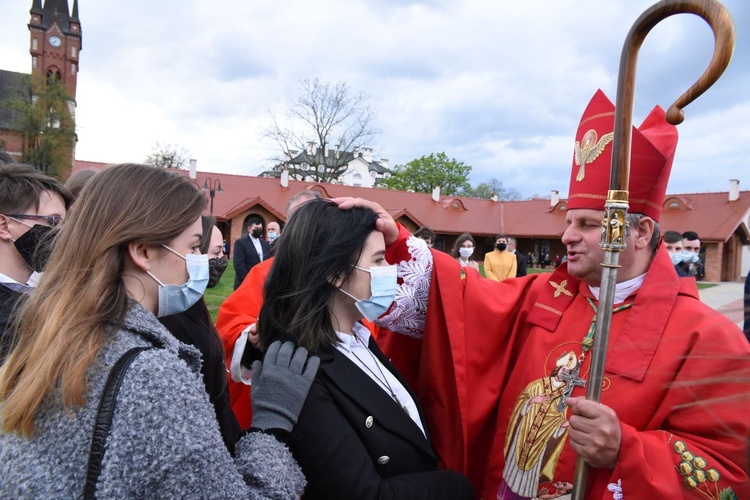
[521, 262]
[249, 250]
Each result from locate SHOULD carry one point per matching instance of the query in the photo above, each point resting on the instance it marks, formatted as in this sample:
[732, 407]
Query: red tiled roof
[711, 215]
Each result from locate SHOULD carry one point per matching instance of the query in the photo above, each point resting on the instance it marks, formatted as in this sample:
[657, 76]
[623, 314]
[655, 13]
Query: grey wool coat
[164, 441]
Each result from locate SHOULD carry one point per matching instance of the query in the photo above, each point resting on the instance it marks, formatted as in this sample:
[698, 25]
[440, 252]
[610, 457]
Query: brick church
[55, 42]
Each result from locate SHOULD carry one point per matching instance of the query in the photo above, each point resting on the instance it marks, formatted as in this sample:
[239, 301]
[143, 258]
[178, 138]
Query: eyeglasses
[52, 220]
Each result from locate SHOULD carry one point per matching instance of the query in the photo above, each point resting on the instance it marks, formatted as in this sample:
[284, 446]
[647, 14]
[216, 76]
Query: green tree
[43, 118]
[423, 174]
[330, 116]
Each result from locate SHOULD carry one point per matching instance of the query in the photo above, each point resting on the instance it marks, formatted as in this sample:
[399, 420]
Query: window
[34, 44]
[305, 166]
[72, 69]
[321, 168]
[72, 51]
[33, 62]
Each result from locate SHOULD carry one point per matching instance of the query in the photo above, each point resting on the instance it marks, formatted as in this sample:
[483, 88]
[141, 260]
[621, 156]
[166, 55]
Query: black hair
[319, 246]
[425, 233]
[207, 226]
[672, 237]
[690, 236]
[254, 219]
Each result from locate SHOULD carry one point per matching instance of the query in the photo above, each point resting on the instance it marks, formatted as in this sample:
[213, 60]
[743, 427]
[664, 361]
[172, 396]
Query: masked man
[31, 205]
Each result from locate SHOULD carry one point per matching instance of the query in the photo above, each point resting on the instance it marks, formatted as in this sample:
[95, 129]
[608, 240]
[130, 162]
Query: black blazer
[353, 441]
[245, 257]
[522, 264]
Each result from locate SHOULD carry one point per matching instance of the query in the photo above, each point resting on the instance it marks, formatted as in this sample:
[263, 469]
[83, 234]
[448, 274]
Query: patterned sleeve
[407, 315]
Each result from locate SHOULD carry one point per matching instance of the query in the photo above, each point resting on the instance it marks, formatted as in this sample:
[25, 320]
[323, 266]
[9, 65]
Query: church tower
[55, 43]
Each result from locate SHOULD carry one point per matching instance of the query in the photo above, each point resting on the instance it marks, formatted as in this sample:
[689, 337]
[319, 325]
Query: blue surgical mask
[689, 257]
[676, 257]
[174, 299]
[383, 283]
[272, 235]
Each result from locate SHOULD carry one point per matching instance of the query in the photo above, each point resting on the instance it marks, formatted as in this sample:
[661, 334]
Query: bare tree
[167, 155]
[326, 122]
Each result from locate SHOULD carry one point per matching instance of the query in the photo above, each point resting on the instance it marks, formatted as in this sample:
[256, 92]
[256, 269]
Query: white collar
[622, 290]
[348, 340]
[30, 284]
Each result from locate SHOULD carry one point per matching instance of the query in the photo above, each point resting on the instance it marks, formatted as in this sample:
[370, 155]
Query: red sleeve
[240, 310]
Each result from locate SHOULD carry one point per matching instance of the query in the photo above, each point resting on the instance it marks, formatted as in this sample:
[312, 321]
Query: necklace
[571, 379]
[383, 381]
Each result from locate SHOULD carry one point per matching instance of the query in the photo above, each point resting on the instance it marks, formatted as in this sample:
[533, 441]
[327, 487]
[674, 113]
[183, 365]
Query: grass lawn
[216, 295]
[701, 286]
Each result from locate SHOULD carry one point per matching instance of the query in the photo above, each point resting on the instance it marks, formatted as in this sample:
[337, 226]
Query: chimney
[554, 197]
[734, 190]
[367, 154]
[285, 178]
[495, 197]
[436, 194]
[325, 150]
[338, 146]
[310, 146]
[384, 162]
[193, 169]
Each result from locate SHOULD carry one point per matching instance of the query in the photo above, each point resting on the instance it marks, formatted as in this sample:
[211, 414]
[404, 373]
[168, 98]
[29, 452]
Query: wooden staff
[616, 206]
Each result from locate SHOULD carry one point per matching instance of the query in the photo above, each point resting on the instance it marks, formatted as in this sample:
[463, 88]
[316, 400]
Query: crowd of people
[363, 363]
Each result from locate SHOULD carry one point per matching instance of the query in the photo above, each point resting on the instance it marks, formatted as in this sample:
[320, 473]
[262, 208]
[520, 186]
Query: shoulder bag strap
[104, 418]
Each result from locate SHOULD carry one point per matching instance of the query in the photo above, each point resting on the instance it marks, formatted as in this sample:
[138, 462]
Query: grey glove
[280, 385]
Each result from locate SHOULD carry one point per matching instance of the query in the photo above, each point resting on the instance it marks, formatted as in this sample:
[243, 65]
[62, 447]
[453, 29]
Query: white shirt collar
[348, 340]
[622, 290]
[14, 285]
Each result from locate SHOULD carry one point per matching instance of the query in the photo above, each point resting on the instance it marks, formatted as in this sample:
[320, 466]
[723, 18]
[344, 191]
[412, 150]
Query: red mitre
[651, 154]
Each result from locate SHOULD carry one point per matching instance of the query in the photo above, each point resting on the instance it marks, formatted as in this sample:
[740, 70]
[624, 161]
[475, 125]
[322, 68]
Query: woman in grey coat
[128, 253]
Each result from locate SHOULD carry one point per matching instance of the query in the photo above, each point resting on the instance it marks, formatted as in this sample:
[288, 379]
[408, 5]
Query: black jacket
[245, 256]
[194, 327]
[353, 441]
[522, 264]
[9, 300]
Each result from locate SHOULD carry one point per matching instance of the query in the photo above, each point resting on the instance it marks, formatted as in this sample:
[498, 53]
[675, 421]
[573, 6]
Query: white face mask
[466, 252]
[383, 284]
[174, 299]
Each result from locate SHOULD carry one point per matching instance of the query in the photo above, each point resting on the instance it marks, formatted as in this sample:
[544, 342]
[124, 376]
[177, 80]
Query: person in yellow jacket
[500, 263]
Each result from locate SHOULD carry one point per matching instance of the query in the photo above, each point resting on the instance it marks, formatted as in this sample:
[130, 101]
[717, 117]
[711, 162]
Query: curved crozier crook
[718, 17]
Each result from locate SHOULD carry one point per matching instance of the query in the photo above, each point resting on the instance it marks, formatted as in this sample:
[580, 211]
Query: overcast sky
[499, 85]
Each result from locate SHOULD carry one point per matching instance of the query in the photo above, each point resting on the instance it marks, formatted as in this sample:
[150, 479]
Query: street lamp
[213, 186]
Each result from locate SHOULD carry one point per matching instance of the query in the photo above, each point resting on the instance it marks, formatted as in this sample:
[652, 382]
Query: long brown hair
[81, 296]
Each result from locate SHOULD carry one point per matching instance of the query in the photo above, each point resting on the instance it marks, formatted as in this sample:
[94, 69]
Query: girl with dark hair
[463, 250]
[361, 433]
[128, 253]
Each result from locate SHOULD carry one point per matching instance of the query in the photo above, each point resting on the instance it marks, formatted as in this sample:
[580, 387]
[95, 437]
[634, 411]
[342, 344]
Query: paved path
[727, 298]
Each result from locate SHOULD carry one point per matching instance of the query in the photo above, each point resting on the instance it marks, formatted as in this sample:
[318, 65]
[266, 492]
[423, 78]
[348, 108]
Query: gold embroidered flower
[690, 482]
[685, 468]
[679, 446]
[700, 462]
[713, 475]
[687, 456]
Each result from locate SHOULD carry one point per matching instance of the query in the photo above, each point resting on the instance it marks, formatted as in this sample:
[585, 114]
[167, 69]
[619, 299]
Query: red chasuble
[492, 371]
